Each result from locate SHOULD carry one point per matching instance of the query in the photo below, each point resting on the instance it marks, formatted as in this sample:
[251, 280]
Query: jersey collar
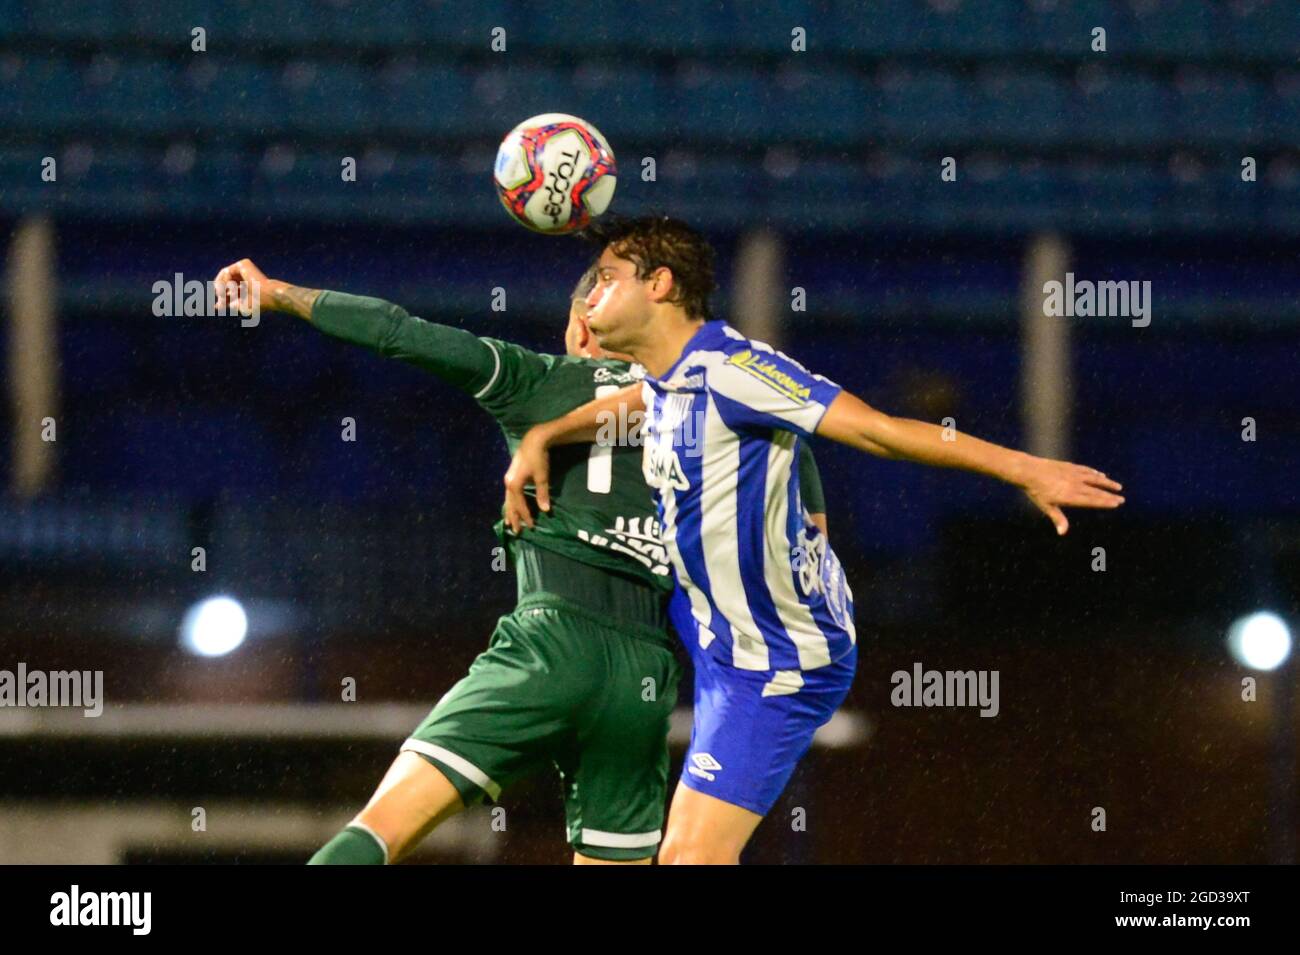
[702, 336]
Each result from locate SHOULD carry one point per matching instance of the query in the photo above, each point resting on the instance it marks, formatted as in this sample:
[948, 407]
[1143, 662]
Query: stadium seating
[838, 148]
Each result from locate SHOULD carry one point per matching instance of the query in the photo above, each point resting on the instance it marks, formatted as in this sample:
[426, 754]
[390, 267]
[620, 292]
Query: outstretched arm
[1049, 484]
[457, 356]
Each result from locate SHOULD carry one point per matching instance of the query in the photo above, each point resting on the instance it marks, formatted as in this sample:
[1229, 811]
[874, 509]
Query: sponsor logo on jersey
[769, 374]
[604, 375]
[704, 766]
[662, 468]
[636, 537]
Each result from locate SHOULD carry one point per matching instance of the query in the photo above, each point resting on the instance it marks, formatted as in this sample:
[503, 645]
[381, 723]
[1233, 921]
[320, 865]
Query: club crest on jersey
[770, 374]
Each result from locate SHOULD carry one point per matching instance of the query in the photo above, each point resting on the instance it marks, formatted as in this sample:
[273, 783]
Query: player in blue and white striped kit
[769, 615]
[762, 600]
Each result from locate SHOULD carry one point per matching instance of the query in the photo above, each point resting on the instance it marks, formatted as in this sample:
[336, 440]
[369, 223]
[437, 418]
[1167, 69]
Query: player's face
[578, 339]
[619, 305]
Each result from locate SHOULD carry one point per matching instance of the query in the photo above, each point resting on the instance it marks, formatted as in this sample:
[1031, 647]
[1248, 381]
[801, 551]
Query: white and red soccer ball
[555, 173]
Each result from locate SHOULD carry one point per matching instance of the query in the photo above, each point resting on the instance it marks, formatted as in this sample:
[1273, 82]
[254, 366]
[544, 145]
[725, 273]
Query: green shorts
[559, 686]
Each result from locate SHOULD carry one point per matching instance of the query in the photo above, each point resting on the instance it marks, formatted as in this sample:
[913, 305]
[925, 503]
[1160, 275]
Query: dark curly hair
[653, 242]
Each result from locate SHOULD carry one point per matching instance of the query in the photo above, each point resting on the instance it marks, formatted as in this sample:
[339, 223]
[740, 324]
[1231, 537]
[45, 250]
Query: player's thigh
[616, 777]
[749, 731]
[412, 799]
[704, 830]
[510, 714]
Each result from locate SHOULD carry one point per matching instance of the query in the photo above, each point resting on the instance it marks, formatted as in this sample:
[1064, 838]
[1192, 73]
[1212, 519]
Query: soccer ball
[555, 173]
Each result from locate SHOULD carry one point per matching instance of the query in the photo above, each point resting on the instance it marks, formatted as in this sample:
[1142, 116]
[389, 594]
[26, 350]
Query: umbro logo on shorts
[705, 766]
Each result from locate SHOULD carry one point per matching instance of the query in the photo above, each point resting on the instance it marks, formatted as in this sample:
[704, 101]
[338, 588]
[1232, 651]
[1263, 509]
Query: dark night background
[372, 559]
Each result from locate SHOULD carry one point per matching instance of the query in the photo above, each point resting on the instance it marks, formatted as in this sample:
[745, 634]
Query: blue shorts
[744, 744]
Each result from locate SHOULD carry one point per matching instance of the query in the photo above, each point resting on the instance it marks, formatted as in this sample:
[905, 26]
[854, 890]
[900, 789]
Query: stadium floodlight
[1261, 641]
[214, 627]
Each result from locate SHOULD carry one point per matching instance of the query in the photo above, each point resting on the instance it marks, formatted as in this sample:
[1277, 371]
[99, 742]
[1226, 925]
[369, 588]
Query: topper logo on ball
[558, 187]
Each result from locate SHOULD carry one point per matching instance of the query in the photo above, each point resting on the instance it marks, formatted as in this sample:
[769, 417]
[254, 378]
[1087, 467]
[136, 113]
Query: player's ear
[661, 286]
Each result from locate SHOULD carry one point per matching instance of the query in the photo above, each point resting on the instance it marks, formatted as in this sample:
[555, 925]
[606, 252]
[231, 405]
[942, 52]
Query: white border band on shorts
[616, 840]
[458, 763]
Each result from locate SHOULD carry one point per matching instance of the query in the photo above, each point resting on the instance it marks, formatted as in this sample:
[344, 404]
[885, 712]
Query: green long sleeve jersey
[602, 512]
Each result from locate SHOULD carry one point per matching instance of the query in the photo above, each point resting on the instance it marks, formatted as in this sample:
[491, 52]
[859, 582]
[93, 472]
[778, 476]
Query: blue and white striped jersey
[722, 436]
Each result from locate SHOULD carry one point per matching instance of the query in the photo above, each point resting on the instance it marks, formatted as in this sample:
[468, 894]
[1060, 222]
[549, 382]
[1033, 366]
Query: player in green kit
[581, 675]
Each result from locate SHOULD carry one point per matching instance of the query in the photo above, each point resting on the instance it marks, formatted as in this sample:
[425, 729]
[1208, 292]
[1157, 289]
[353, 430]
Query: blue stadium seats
[820, 193]
[259, 23]
[90, 20]
[927, 106]
[1065, 29]
[234, 97]
[1178, 29]
[13, 19]
[1283, 110]
[20, 176]
[210, 179]
[764, 26]
[1113, 197]
[414, 99]
[1022, 107]
[354, 23]
[589, 25]
[701, 189]
[829, 107]
[328, 99]
[45, 95]
[1269, 30]
[504, 96]
[1006, 196]
[1117, 107]
[140, 96]
[469, 26]
[421, 104]
[1214, 109]
[172, 23]
[623, 101]
[723, 106]
[962, 27]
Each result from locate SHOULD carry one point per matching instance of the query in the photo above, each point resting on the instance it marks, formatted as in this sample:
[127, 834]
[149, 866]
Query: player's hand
[243, 288]
[530, 465]
[1052, 485]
